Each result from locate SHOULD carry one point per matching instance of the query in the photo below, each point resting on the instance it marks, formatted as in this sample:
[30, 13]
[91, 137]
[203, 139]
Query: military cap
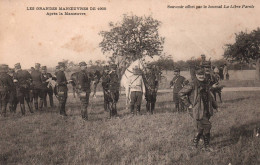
[44, 68]
[113, 66]
[17, 66]
[203, 55]
[61, 64]
[200, 72]
[37, 65]
[177, 70]
[83, 63]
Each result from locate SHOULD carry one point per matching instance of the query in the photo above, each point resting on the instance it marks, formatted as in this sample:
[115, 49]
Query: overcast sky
[32, 36]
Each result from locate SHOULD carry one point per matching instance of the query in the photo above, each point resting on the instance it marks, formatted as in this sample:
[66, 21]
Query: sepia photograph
[143, 82]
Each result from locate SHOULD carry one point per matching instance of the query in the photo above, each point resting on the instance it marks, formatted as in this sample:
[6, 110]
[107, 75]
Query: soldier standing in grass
[105, 85]
[47, 88]
[22, 78]
[12, 95]
[6, 85]
[62, 89]
[83, 89]
[113, 89]
[151, 88]
[202, 106]
[136, 90]
[177, 84]
[37, 87]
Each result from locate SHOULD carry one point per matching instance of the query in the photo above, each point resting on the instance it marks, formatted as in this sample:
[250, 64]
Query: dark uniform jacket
[6, 82]
[24, 78]
[44, 78]
[177, 82]
[113, 81]
[83, 81]
[61, 81]
[150, 81]
[37, 79]
[105, 81]
[202, 101]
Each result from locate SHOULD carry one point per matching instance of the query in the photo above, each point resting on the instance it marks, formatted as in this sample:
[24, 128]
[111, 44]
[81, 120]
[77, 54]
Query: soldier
[47, 88]
[22, 78]
[83, 89]
[202, 106]
[62, 89]
[113, 89]
[6, 84]
[136, 90]
[105, 85]
[37, 87]
[12, 95]
[151, 87]
[177, 84]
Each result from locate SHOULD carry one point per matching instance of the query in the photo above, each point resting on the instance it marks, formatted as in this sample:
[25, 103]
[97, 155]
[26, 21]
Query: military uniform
[202, 106]
[83, 89]
[37, 87]
[23, 79]
[47, 88]
[12, 94]
[105, 85]
[62, 89]
[137, 89]
[177, 83]
[113, 89]
[151, 87]
[6, 84]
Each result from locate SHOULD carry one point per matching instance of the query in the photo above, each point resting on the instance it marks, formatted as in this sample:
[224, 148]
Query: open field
[162, 138]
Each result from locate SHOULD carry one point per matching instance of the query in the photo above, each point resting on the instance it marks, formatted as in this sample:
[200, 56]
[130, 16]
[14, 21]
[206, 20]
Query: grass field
[162, 138]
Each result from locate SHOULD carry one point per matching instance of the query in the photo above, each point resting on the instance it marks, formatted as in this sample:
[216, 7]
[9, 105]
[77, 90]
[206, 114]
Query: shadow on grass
[236, 100]
[236, 133]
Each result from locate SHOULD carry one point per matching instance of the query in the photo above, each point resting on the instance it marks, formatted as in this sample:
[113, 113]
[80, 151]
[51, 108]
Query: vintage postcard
[110, 81]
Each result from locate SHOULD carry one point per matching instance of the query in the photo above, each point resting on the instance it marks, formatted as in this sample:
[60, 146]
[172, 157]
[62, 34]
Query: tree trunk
[257, 71]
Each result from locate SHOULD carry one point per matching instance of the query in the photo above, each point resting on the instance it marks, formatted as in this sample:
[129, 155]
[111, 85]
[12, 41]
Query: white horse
[128, 73]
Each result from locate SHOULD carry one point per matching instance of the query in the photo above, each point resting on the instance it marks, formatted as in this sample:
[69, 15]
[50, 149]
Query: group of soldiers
[18, 86]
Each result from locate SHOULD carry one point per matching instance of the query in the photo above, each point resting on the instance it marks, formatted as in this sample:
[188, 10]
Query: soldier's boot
[15, 106]
[11, 107]
[196, 139]
[132, 109]
[22, 109]
[3, 108]
[206, 143]
[138, 109]
[148, 107]
[114, 109]
[152, 107]
[62, 111]
[41, 104]
[45, 102]
[177, 107]
[36, 105]
[51, 101]
[30, 106]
